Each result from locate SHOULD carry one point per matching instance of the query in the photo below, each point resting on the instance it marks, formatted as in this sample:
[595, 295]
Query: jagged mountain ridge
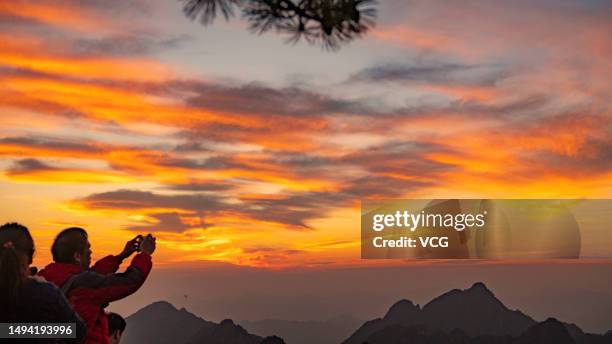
[224, 333]
[476, 311]
[161, 323]
[473, 315]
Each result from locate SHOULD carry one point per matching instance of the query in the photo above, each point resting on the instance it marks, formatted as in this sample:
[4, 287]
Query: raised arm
[110, 264]
[102, 289]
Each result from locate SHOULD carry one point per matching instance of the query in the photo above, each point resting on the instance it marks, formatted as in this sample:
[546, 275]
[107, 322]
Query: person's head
[16, 252]
[116, 326]
[71, 246]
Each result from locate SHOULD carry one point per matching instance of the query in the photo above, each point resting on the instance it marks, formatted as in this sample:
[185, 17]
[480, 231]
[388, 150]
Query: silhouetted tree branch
[326, 22]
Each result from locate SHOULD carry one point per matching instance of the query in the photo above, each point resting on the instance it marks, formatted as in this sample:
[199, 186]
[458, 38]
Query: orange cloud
[468, 92]
[71, 176]
[31, 53]
[412, 37]
[60, 14]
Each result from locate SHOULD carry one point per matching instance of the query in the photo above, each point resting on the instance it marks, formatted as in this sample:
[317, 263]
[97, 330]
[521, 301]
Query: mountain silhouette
[225, 333]
[476, 311]
[473, 315]
[161, 323]
[403, 311]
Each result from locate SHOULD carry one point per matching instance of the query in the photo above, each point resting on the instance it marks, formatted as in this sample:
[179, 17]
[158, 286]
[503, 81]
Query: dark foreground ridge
[472, 315]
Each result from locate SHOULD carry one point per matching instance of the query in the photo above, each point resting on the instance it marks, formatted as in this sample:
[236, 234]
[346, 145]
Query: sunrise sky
[241, 149]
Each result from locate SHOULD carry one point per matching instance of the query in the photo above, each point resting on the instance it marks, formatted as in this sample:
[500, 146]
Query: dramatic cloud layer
[131, 119]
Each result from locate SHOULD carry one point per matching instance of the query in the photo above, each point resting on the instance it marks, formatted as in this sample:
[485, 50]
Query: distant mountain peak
[166, 319]
[552, 321]
[402, 310]
[160, 305]
[478, 295]
[227, 322]
[403, 302]
[479, 286]
[480, 289]
[161, 322]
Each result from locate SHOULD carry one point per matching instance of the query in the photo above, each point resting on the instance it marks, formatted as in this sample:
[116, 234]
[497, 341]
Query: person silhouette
[90, 290]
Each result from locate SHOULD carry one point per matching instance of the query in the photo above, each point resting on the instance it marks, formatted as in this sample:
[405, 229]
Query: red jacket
[91, 291]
